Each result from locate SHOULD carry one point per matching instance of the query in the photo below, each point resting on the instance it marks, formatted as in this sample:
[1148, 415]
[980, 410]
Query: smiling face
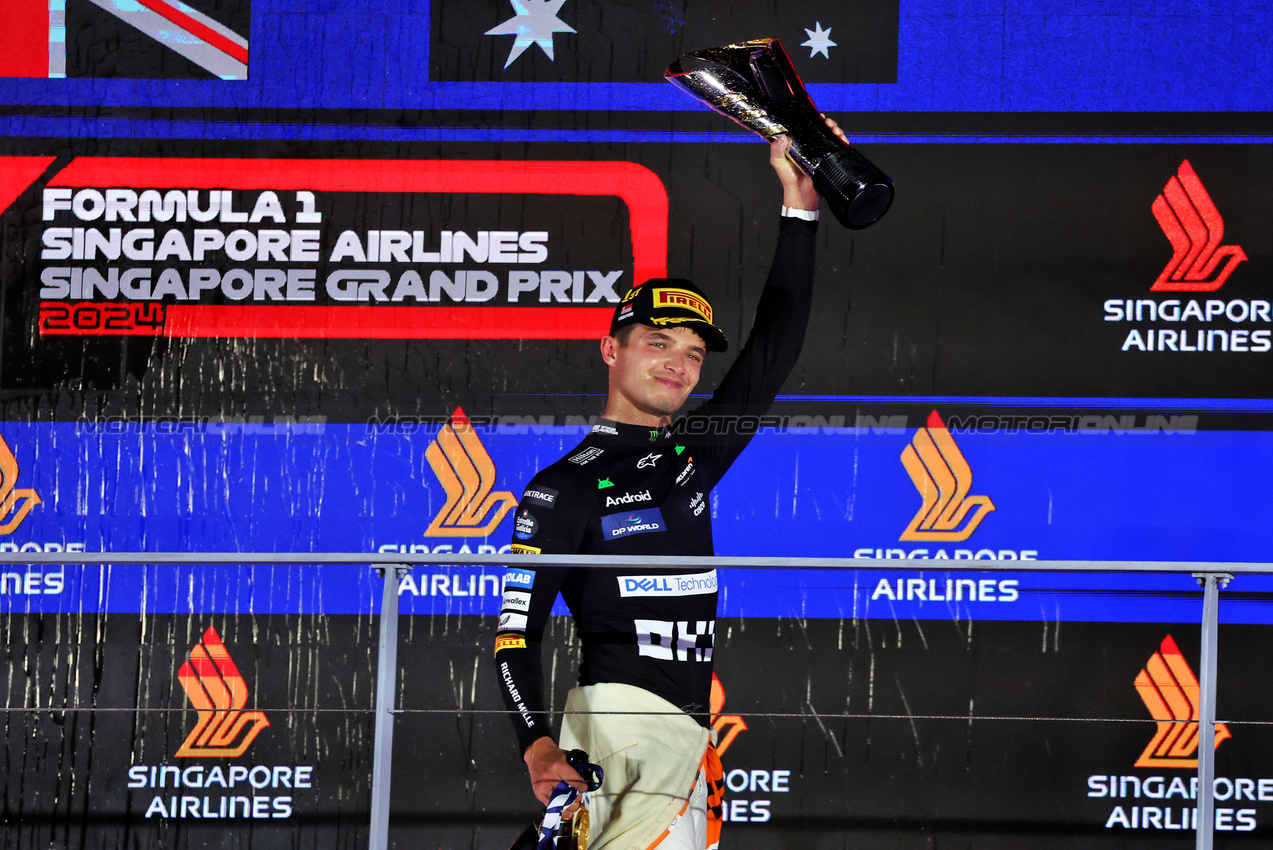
[651, 376]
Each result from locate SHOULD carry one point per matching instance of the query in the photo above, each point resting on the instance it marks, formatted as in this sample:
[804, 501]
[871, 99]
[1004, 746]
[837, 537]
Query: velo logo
[15, 502]
[467, 473]
[1170, 691]
[218, 693]
[943, 478]
[1193, 225]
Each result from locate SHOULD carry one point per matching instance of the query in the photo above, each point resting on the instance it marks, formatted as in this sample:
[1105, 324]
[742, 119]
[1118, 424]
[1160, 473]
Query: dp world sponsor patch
[627, 523]
[683, 585]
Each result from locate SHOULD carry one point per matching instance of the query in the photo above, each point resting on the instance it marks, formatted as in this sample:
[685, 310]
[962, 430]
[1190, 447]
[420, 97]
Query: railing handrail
[630, 561]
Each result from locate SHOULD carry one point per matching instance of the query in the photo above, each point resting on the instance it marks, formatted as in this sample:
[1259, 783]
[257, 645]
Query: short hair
[624, 334]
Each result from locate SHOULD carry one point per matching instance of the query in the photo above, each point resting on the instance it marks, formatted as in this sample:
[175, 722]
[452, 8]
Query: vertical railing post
[386, 690]
[1211, 584]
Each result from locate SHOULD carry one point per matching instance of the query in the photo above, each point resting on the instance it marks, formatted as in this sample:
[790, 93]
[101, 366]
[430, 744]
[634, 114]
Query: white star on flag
[819, 40]
[534, 23]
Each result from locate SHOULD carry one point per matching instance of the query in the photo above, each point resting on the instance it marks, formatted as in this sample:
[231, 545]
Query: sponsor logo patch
[628, 498]
[605, 429]
[526, 525]
[516, 600]
[512, 622]
[615, 526]
[586, 456]
[649, 460]
[687, 473]
[683, 585]
[519, 549]
[522, 579]
[541, 496]
[509, 642]
[696, 505]
[603, 483]
[671, 297]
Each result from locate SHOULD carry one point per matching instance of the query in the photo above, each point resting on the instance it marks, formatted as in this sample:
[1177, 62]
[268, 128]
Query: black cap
[664, 302]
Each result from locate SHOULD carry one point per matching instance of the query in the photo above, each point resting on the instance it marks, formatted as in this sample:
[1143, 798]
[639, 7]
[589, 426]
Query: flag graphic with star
[819, 41]
[602, 41]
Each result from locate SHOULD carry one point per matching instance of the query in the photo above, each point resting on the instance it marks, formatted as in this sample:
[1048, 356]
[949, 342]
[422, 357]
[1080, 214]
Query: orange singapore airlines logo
[734, 723]
[1194, 227]
[1171, 693]
[943, 479]
[218, 692]
[467, 473]
[15, 502]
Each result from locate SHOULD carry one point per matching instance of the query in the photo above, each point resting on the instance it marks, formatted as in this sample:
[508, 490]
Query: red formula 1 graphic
[1189, 218]
[68, 305]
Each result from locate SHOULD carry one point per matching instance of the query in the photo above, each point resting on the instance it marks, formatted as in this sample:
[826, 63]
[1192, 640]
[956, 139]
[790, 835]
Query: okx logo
[1193, 225]
[1171, 693]
[15, 502]
[467, 473]
[218, 692]
[943, 478]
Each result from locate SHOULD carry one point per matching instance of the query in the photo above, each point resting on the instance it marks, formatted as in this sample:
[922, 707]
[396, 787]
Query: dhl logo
[665, 297]
[1170, 691]
[467, 473]
[15, 503]
[943, 478]
[721, 722]
[218, 692]
[1193, 225]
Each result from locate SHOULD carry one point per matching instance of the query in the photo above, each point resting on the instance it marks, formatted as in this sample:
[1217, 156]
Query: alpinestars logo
[1171, 693]
[1193, 225]
[943, 478]
[218, 692]
[467, 473]
[15, 502]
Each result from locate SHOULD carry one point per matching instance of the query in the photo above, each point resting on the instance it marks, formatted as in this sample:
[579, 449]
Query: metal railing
[1211, 576]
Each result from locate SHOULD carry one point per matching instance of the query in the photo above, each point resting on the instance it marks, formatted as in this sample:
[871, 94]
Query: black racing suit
[633, 490]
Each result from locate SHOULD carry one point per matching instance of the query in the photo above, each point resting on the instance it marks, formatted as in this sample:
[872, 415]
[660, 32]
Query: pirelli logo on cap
[509, 642]
[682, 298]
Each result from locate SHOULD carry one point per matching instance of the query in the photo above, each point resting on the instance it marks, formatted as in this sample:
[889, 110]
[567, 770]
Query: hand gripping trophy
[755, 84]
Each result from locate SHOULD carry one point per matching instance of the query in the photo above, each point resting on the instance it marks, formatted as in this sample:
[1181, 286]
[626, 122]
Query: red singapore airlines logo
[943, 478]
[218, 692]
[1170, 691]
[1193, 225]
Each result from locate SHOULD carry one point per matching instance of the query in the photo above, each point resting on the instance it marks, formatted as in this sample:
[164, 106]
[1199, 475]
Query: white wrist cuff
[807, 215]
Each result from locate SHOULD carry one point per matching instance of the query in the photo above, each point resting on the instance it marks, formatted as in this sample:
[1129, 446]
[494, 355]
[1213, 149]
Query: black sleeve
[546, 522]
[768, 356]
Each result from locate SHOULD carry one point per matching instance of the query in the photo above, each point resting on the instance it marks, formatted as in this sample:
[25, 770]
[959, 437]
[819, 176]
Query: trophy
[755, 84]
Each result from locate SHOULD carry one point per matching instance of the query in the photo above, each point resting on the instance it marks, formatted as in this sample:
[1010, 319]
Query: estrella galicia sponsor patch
[516, 600]
[683, 585]
[512, 622]
[519, 549]
[526, 525]
[521, 579]
[509, 642]
[545, 496]
[627, 523]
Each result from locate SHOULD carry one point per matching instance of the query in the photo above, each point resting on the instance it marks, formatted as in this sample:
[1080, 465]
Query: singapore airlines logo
[943, 479]
[1171, 693]
[726, 726]
[467, 473]
[15, 502]
[1194, 227]
[218, 692]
